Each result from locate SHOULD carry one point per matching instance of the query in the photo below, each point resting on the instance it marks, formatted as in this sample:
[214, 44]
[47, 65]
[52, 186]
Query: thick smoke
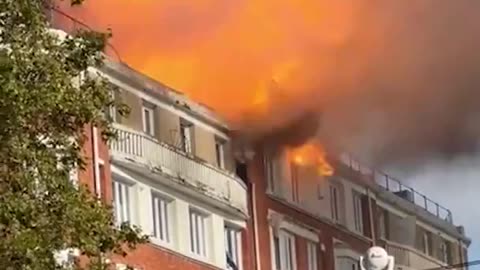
[417, 95]
[394, 80]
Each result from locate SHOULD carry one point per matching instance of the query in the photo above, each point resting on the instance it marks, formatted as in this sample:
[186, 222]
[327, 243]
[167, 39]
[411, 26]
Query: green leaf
[44, 116]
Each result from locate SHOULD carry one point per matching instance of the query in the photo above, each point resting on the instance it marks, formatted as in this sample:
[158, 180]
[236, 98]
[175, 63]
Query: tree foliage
[43, 114]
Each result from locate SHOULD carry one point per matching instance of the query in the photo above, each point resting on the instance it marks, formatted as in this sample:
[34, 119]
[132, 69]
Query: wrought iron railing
[394, 185]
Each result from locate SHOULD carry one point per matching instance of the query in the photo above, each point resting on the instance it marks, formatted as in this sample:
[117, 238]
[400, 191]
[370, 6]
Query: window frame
[186, 144]
[426, 243]
[445, 251]
[163, 226]
[235, 246]
[128, 189]
[220, 152]
[290, 252]
[151, 120]
[334, 203]
[283, 250]
[201, 233]
[312, 255]
[357, 211]
[382, 223]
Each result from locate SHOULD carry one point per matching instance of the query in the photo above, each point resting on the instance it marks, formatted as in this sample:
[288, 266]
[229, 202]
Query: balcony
[410, 258]
[138, 148]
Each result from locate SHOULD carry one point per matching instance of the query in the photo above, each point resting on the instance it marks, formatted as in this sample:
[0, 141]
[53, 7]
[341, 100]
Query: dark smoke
[415, 91]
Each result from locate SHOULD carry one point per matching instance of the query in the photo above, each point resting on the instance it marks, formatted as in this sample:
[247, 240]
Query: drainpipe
[96, 167]
[255, 228]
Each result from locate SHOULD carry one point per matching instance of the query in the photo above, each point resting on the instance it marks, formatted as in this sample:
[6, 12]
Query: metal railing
[410, 257]
[393, 185]
[213, 181]
[401, 255]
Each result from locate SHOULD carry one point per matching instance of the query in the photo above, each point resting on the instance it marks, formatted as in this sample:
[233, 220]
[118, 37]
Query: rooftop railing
[395, 186]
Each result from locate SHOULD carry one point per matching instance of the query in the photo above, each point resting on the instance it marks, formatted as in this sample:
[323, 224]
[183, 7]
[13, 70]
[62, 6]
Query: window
[294, 169]
[186, 136]
[445, 251]
[161, 218]
[270, 168]
[148, 121]
[232, 248]
[348, 263]
[198, 233]
[334, 203]
[382, 223]
[289, 252]
[284, 251]
[426, 240]
[121, 202]
[357, 211]
[276, 251]
[220, 152]
[312, 256]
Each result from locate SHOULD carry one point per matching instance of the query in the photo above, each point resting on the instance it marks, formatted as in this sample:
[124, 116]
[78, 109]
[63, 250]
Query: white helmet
[376, 259]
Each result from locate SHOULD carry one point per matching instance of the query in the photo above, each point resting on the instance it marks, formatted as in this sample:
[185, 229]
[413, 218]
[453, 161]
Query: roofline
[401, 203]
[140, 81]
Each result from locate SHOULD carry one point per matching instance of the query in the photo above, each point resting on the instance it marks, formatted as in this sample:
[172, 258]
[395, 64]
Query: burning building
[207, 203]
[269, 195]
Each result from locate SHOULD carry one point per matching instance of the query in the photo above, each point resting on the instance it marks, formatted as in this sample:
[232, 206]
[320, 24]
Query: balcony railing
[395, 186]
[212, 181]
[411, 258]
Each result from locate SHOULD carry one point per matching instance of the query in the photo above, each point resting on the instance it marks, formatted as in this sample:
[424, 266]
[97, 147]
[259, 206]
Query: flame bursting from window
[311, 154]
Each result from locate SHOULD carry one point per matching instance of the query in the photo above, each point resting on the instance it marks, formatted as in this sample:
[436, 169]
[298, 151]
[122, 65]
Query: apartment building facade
[170, 172]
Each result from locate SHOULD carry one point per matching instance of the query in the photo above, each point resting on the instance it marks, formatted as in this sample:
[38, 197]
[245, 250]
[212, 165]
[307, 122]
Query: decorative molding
[279, 222]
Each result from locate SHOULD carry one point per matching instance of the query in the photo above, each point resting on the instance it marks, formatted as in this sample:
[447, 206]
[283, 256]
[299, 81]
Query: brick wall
[327, 231]
[150, 257]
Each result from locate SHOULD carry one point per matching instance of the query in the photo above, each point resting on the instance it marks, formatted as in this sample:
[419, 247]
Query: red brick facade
[264, 202]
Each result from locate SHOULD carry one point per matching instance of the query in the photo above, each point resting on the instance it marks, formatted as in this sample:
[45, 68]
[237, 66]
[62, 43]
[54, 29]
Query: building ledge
[321, 219]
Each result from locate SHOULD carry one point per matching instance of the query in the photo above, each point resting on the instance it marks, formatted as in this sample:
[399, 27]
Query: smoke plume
[394, 80]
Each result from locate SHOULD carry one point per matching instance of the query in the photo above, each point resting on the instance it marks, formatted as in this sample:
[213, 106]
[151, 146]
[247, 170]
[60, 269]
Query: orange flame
[238, 57]
[312, 154]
